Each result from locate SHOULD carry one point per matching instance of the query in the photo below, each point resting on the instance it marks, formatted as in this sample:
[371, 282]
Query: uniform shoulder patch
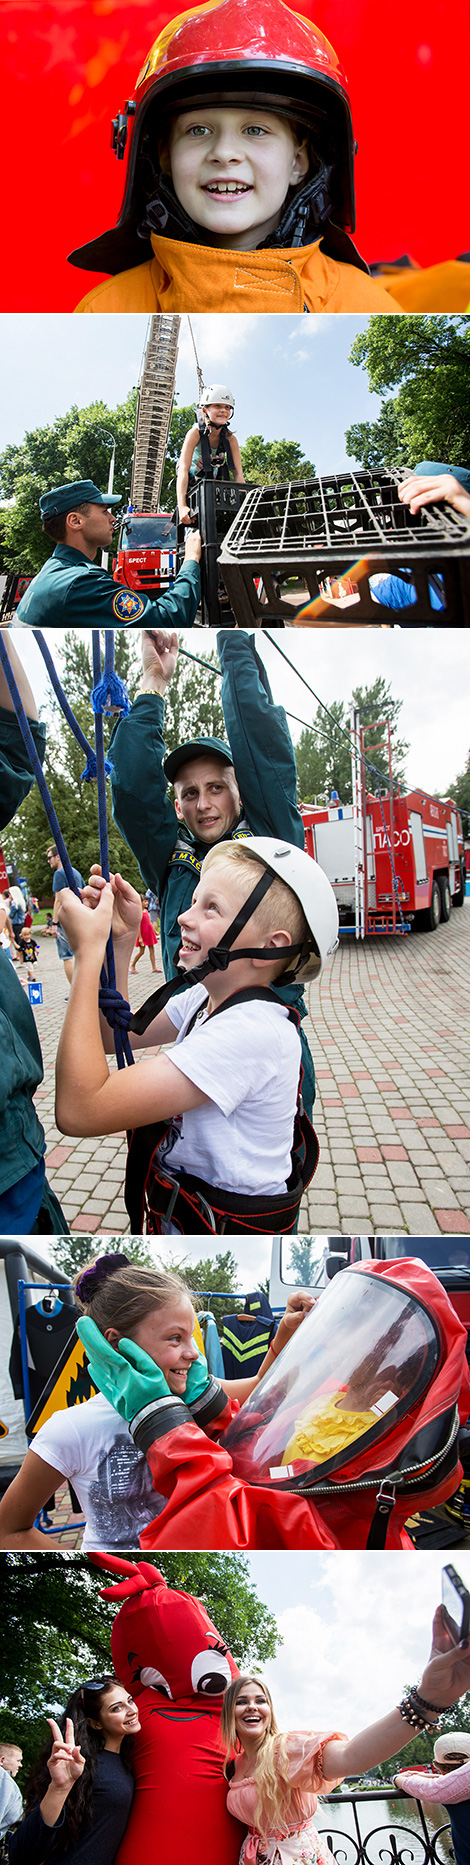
[127, 606]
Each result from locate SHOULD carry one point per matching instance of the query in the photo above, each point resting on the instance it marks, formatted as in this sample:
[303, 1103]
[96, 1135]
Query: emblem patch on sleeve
[127, 606]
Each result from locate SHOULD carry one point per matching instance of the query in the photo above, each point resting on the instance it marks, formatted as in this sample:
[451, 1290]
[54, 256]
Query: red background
[69, 66]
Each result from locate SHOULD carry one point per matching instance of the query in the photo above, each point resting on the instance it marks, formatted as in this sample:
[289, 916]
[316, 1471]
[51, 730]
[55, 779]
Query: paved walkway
[390, 1035]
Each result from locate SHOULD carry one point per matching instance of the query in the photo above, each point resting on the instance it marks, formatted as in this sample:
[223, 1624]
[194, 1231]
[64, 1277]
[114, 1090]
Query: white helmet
[452, 1744]
[312, 887]
[217, 395]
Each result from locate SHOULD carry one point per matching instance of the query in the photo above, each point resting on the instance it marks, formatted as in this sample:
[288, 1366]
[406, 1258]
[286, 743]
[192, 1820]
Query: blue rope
[90, 766]
[36, 766]
[114, 1007]
[109, 692]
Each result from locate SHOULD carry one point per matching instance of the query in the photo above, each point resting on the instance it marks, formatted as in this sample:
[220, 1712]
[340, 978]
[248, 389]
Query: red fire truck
[146, 558]
[403, 854]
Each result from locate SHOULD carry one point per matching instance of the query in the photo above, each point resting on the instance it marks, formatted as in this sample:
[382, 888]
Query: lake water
[401, 1837]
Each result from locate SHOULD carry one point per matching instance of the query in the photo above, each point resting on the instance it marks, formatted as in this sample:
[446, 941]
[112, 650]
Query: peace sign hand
[65, 1763]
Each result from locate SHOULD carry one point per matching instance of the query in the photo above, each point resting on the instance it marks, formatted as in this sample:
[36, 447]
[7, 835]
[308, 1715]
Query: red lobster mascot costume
[168, 1654]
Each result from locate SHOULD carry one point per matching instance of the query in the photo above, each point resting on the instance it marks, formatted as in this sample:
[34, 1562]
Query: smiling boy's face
[231, 170]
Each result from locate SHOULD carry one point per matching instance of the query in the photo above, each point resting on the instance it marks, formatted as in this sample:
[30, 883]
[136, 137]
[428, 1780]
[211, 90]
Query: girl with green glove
[138, 1334]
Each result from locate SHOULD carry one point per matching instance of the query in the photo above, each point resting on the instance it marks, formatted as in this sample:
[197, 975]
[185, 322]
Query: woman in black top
[81, 1792]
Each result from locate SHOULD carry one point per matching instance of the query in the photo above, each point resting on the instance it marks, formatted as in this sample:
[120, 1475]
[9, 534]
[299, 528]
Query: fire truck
[390, 856]
[146, 554]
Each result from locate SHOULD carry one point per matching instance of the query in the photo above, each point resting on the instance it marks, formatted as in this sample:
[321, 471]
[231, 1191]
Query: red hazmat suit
[412, 1449]
[170, 1657]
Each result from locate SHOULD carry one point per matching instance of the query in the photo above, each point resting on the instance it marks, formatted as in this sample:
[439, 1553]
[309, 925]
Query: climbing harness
[156, 1197]
[108, 694]
[218, 463]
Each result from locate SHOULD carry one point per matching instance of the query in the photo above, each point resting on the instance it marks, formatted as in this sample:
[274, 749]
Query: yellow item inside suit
[324, 1429]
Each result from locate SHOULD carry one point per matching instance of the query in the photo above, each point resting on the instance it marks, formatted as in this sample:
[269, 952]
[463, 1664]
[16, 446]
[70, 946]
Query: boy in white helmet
[452, 1760]
[208, 449]
[228, 1094]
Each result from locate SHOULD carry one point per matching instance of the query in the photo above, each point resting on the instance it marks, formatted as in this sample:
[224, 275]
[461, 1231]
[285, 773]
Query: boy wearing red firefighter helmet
[239, 142]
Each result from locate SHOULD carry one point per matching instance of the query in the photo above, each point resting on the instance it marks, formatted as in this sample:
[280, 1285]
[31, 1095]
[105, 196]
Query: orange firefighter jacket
[183, 277]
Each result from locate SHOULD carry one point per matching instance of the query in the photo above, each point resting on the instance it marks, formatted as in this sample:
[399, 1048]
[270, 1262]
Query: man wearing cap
[452, 1759]
[72, 590]
[223, 790]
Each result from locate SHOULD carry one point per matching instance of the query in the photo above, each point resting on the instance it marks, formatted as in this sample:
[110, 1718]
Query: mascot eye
[154, 1679]
[210, 1673]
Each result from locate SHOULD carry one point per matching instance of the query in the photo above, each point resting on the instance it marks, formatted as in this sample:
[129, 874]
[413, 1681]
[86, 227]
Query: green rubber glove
[198, 1379]
[129, 1379]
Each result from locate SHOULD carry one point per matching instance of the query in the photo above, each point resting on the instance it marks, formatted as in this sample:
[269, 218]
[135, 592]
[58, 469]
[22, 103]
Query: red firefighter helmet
[255, 52]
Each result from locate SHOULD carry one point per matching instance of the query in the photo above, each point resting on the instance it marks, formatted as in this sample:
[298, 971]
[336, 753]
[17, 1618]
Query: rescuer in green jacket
[27, 1202]
[247, 786]
[72, 590]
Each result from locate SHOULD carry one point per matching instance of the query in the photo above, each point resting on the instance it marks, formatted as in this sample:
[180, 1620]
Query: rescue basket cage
[108, 696]
[367, 1392]
[289, 541]
[214, 504]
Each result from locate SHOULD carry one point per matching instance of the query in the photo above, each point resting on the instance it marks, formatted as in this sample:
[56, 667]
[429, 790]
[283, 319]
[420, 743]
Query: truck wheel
[446, 897]
[434, 909]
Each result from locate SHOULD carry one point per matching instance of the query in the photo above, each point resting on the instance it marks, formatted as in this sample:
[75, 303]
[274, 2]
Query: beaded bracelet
[423, 1701]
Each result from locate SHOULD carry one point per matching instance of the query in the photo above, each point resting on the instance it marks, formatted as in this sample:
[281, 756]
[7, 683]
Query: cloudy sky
[356, 1630]
[427, 668]
[290, 376]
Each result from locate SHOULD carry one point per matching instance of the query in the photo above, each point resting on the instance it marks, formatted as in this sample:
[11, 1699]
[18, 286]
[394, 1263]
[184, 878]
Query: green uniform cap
[195, 749]
[78, 492]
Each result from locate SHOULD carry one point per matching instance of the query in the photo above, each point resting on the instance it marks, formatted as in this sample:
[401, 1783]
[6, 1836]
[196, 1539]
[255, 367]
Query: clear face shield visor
[353, 1369]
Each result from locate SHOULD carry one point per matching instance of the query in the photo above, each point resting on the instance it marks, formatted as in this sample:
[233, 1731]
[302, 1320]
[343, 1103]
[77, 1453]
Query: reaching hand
[85, 930]
[127, 908]
[159, 655]
[298, 1306]
[447, 1674]
[428, 488]
[193, 546]
[65, 1762]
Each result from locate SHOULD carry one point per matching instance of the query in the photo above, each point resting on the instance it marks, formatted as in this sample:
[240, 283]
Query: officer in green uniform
[72, 590]
[27, 1202]
[222, 791]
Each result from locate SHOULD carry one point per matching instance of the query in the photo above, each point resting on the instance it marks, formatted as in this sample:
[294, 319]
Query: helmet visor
[358, 1362]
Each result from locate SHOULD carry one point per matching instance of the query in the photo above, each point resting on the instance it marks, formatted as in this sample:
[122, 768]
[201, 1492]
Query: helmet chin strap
[218, 958]
[307, 212]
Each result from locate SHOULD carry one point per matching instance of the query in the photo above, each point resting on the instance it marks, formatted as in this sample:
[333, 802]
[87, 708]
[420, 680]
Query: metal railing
[395, 1841]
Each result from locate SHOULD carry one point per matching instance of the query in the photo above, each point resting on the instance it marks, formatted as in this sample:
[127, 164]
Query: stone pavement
[389, 1031]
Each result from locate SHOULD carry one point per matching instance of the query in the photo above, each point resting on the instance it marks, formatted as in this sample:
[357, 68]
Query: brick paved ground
[390, 1038]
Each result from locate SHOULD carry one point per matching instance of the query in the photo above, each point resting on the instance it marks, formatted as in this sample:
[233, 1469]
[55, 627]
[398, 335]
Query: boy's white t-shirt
[248, 1061]
[93, 1446]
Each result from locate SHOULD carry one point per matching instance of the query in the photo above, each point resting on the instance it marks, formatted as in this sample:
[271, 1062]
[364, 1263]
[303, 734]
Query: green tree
[52, 1613]
[323, 754]
[76, 446]
[460, 791]
[376, 706]
[303, 1262]
[271, 462]
[426, 358]
[75, 801]
[207, 1275]
[72, 1253]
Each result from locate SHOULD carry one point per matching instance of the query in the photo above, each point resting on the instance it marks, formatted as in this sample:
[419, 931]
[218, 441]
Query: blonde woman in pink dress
[275, 1779]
